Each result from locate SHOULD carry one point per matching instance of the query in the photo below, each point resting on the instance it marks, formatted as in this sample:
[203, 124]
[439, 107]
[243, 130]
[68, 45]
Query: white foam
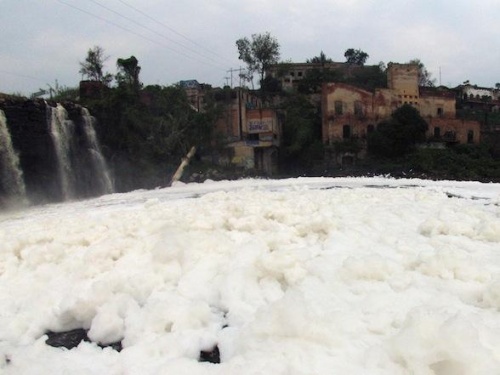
[300, 276]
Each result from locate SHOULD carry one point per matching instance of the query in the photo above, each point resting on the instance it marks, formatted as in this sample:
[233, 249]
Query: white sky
[299, 276]
[43, 41]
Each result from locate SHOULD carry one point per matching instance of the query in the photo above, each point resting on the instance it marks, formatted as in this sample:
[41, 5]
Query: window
[358, 108]
[437, 132]
[470, 136]
[338, 107]
[346, 132]
[299, 74]
[440, 111]
[253, 137]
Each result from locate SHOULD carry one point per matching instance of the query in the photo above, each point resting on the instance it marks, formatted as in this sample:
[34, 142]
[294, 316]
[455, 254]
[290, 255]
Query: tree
[356, 56]
[93, 66]
[301, 133]
[398, 135]
[128, 72]
[259, 53]
[424, 76]
[321, 59]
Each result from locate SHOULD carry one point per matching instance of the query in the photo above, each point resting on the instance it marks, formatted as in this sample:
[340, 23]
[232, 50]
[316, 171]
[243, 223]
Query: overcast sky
[44, 40]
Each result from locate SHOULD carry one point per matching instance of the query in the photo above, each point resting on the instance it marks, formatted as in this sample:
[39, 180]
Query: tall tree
[424, 76]
[356, 56]
[93, 66]
[259, 53]
[128, 72]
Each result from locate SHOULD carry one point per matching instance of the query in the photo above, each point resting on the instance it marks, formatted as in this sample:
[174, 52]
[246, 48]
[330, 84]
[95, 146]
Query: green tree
[424, 76]
[321, 59]
[355, 56]
[301, 133]
[259, 53]
[314, 79]
[128, 72]
[93, 66]
[398, 135]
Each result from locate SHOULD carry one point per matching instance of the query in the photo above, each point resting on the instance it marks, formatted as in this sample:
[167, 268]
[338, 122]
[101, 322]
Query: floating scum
[300, 276]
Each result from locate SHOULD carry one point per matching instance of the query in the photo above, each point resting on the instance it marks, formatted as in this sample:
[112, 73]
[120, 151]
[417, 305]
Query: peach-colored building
[350, 112]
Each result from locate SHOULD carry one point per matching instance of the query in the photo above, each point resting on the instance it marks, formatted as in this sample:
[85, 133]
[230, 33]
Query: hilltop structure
[252, 134]
[350, 112]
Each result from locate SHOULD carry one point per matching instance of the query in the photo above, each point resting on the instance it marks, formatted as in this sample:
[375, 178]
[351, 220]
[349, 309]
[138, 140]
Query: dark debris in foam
[212, 355]
[71, 339]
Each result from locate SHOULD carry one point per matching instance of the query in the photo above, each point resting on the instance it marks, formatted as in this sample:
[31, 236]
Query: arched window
[338, 107]
[358, 108]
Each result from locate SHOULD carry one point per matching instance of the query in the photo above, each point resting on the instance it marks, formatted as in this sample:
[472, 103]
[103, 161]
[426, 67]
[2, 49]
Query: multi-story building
[251, 134]
[350, 112]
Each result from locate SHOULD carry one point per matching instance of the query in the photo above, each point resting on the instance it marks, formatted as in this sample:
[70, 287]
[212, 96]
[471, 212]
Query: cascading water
[62, 131]
[101, 171]
[11, 175]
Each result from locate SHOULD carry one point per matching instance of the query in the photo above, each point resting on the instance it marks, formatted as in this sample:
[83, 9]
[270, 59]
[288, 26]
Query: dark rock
[68, 339]
[212, 356]
[71, 339]
[114, 345]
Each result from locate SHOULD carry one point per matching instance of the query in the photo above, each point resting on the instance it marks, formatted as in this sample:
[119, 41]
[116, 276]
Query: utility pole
[231, 71]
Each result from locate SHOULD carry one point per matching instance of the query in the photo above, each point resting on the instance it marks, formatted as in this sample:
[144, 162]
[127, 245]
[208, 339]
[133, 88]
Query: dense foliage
[301, 143]
[365, 77]
[398, 135]
[145, 134]
[473, 162]
[355, 56]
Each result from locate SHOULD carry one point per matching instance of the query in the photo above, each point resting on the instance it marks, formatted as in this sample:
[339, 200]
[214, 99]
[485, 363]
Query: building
[195, 92]
[350, 112]
[290, 74]
[251, 134]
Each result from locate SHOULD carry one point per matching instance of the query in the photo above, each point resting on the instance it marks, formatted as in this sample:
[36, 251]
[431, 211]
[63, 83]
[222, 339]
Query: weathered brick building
[350, 112]
[251, 134]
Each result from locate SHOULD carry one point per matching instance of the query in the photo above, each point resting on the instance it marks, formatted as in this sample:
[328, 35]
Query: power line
[172, 30]
[21, 75]
[154, 31]
[132, 32]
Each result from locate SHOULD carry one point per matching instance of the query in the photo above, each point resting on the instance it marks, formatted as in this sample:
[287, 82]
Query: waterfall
[101, 171]
[11, 175]
[61, 132]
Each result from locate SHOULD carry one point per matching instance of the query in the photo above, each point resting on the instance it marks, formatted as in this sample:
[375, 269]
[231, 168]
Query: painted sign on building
[260, 125]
